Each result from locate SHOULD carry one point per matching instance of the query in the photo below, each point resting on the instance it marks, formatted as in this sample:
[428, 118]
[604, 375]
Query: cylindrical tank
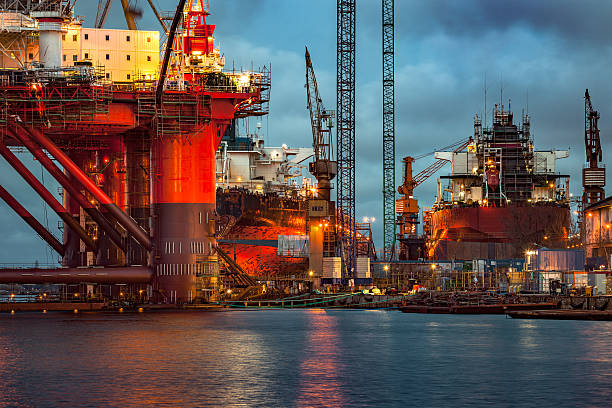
[50, 41]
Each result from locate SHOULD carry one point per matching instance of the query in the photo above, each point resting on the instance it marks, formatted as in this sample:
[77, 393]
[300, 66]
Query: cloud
[544, 53]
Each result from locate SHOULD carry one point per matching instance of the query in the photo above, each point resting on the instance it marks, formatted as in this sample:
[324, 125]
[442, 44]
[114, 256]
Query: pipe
[126, 221]
[128, 274]
[67, 184]
[32, 222]
[47, 197]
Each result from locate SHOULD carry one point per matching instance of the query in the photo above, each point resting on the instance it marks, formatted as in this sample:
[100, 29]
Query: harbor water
[301, 358]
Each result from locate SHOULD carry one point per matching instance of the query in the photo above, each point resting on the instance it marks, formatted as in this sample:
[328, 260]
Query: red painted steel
[31, 221]
[187, 169]
[129, 224]
[77, 275]
[47, 196]
[67, 184]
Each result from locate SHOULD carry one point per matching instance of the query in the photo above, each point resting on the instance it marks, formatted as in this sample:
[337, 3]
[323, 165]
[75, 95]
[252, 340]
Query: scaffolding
[55, 99]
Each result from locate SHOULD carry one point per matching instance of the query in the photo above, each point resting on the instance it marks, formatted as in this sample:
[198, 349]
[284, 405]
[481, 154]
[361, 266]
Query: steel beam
[31, 221]
[122, 218]
[64, 215]
[67, 184]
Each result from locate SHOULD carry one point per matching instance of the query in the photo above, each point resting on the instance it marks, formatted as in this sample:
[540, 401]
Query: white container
[362, 267]
[332, 267]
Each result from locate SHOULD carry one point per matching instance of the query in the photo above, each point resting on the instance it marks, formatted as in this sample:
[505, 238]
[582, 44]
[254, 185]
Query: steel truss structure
[345, 140]
[388, 127]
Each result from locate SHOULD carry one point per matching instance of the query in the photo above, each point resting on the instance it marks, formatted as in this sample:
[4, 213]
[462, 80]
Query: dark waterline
[302, 358]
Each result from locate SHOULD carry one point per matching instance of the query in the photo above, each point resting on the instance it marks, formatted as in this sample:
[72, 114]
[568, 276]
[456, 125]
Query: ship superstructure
[501, 197]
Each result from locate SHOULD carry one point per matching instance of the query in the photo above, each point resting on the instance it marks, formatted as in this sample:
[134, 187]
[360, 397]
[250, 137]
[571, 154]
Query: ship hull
[497, 232]
[255, 223]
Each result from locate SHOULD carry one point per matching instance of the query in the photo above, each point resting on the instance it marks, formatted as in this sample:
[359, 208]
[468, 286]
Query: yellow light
[140, 291]
[44, 310]
[140, 310]
[551, 185]
[196, 53]
[120, 293]
[320, 225]
[589, 214]
[76, 295]
[386, 267]
[433, 266]
[75, 311]
[120, 310]
[310, 273]
[229, 291]
[239, 179]
[219, 179]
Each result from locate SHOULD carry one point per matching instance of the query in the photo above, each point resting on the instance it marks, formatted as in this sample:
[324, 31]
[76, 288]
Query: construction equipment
[322, 120]
[408, 206]
[593, 176]
[388, 136]
[345, 140]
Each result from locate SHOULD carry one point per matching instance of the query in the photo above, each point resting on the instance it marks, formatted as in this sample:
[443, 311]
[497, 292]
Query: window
[128, 57]
[64, 37]
[107, 37]
[149, 58]
[148, 39]
[127, 38]
[74, 37]
[107, 75]
[86, 55]
[31, 56]
[74, 57]
[107, 57]
[128, 76]
[64, 58]
[87, 36]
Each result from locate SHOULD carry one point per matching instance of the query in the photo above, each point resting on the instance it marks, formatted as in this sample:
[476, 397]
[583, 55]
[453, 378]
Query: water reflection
[321, 370]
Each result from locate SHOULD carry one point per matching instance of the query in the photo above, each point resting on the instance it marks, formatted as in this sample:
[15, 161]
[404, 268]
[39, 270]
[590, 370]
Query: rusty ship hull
[496, 232]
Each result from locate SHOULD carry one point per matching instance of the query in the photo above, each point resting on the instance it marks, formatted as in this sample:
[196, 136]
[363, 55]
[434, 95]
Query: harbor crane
[408, 206]
[322, 121]
[593, 176]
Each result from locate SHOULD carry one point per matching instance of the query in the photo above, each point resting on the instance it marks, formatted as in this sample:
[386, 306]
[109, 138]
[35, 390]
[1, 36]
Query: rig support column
[184, 192]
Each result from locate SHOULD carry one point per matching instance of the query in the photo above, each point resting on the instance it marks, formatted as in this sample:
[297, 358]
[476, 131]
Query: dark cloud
[549, 50]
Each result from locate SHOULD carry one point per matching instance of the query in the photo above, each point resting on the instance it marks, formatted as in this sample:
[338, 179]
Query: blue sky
[548, 50]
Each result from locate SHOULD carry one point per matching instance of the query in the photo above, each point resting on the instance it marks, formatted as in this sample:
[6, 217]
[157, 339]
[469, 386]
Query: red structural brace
[32, 222]
[47, 197]
[133, 274]
[88, 207]
[126, 221]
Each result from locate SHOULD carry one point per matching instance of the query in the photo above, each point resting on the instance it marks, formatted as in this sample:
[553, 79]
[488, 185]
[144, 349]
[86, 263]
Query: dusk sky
[546, 51]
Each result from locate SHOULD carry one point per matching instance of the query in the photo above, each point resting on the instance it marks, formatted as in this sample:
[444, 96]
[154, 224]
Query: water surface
[301, 358]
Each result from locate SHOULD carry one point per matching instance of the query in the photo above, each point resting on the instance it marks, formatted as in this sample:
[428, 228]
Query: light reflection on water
[321, 371]
[303, 358]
